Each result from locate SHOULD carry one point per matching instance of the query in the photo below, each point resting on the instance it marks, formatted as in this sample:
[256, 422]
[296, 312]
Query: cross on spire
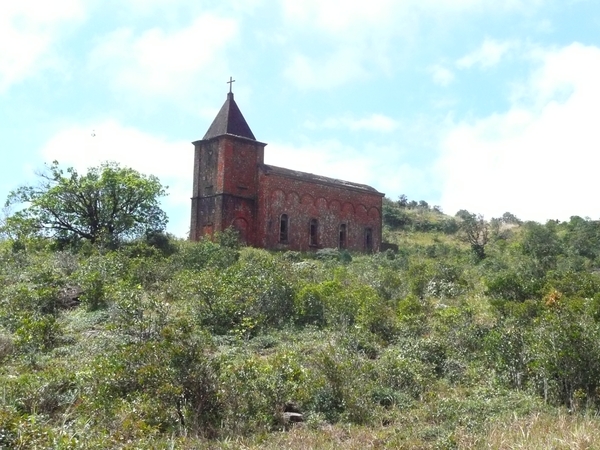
[230, 82]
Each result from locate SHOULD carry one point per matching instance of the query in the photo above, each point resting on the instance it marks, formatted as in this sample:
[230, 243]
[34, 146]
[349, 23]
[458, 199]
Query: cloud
[374, 122]
[344, 18]
[441, 75]
[82, 147]
[170, 7]
[352, 40]
[380, 166]
[339, 16]
[28, 31]
[489, 54]
[539, 159]
[324, 73]
[330, 158]
[163, 63]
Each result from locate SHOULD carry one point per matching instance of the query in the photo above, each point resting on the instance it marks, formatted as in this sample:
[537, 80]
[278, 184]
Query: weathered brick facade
[272, 207]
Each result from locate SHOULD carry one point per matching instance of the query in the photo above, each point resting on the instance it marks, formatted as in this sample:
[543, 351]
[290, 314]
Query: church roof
[312, 178]
[229, 120]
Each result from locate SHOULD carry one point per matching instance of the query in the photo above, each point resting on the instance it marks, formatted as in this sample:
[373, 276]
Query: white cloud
[339, 16]
[28, 31]
[370, 28]
[489, 54]
[165, 64]
[352, 18]
[328, 158]
[170, 7]
[540, 159]
[387, 172]
[441, 75]
[82, 147]
[374, 122]
[343, 66]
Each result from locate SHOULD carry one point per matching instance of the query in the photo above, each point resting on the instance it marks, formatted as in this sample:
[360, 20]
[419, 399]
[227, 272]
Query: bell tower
[226, 162]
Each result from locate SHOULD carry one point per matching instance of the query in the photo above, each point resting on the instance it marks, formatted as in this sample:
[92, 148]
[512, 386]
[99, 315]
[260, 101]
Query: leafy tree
[402, 201]
[508, 217]
[582, 237]
[475, 231]
[394, 215]
[541, 243]
[107, 204]
[4, 215]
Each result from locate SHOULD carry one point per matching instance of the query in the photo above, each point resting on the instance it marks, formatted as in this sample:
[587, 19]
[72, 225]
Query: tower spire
[229, 120]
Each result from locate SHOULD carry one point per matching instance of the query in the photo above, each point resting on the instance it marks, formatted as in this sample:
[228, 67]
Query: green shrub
[6, 346]
[506, 351]
[35, 334]
[564, 356]
[254, 391]
[402, 373]
[170, 376]
[343, 387]
[309, 306]
[48, 392]
[196, 256]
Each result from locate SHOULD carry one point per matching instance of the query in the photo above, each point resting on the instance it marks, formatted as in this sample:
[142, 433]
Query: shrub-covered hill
[172, 344]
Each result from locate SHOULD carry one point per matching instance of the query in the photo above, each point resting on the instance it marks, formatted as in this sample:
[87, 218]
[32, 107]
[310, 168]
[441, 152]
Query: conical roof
[229, 120]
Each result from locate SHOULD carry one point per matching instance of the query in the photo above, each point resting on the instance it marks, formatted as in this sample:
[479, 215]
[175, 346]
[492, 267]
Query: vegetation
[107, 204]
[163, 343]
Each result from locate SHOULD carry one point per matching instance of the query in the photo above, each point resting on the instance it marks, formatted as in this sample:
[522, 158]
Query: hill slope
[197, 345]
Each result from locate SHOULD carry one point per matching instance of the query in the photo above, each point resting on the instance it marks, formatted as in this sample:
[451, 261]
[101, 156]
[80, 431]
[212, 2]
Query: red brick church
[272, 207]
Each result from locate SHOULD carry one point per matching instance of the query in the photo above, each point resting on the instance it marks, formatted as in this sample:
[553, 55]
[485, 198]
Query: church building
[272, 207]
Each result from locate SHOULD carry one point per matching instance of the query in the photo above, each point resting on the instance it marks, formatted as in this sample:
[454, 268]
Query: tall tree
[475, 231]
[107, 204]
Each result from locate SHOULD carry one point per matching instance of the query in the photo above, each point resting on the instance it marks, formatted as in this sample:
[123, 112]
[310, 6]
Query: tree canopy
[108, 204]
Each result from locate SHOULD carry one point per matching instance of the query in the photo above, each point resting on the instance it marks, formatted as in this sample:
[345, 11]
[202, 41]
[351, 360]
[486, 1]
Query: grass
[543, 431]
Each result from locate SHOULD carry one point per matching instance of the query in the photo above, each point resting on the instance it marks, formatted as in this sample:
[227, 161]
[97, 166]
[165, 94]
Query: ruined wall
[331, 205]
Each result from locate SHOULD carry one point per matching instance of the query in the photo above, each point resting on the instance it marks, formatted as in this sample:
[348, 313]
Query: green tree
[508, 217]
[541, 243]
[475, 231]
[108, 204]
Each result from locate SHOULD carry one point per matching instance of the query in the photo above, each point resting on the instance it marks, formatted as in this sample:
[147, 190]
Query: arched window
[369, 239]
[313, 233]
[283, 228]
[342, 240]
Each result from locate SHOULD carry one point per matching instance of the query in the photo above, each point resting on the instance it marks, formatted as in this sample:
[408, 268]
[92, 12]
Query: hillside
[474, 334]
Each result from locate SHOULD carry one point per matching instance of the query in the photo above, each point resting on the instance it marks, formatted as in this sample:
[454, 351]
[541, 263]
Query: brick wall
[232, 187]
[225, 186]
[331, 205]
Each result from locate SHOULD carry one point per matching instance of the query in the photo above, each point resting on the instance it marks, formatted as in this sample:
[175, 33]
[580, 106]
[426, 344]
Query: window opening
[342, 240]
[313, 233]
[368, 239]
[283, 228]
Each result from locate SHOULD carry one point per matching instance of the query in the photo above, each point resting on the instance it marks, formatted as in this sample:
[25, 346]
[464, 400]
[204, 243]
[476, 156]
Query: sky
[485, 105]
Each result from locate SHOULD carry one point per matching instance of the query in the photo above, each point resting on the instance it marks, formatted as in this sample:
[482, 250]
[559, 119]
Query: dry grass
[330, 437]
[539, 431]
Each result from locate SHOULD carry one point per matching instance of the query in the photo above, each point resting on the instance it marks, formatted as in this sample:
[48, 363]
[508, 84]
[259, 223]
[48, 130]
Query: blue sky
[485, 105]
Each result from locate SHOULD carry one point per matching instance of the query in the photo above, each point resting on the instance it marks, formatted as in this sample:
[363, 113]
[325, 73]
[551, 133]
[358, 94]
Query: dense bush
[171, 344]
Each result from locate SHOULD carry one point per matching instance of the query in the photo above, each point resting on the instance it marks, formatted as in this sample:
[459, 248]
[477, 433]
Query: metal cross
[230, 83]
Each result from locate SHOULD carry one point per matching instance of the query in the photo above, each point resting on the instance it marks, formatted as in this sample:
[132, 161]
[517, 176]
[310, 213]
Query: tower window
[283, 228]
[343, 236]
[369, 239]
[313, 233]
